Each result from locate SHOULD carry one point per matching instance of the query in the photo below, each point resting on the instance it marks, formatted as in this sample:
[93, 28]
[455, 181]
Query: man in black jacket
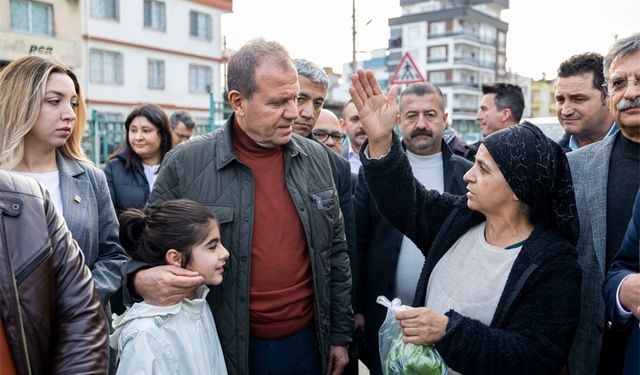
[390, 263]
[314, 84]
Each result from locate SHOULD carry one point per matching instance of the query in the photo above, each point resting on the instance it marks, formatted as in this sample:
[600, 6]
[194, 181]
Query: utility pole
[353, 37]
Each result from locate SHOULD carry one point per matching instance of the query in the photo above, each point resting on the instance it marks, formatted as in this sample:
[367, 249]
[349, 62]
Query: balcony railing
[464, 34]
[465, 110]
[458, 84]
[434, 60]
[473, 61]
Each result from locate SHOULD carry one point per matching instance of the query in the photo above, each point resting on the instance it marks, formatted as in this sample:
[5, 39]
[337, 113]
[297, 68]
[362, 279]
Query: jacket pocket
[323, 200]
[32, 264]
[323, 212]
[223, 214]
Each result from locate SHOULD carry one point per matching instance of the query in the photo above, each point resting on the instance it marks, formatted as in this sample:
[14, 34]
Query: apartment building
[167, 52]
[458, 45]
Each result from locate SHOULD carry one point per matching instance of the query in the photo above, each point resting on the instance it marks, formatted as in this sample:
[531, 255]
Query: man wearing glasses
[606, 178]
[328, 131]
[182, 127]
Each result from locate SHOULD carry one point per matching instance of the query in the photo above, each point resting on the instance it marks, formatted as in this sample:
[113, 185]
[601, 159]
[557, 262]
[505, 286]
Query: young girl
[182, 338]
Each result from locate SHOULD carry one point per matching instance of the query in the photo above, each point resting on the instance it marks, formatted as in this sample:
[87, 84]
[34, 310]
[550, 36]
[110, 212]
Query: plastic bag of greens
[398, 358]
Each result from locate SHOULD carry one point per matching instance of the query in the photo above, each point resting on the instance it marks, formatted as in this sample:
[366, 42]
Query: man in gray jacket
[285, 305]
[606, 178]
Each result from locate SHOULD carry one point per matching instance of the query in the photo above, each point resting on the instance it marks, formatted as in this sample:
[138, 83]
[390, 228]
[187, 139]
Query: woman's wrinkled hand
[422, 326]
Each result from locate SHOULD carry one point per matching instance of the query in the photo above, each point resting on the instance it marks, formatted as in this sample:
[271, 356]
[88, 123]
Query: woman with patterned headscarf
[499, 292]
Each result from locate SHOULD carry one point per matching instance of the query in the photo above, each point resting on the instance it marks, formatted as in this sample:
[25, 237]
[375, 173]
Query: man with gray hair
[314, 83]
[606, 178]
[285, 304]
[182, 127]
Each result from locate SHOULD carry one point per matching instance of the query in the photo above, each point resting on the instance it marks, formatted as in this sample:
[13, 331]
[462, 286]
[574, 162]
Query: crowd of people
[260, 248]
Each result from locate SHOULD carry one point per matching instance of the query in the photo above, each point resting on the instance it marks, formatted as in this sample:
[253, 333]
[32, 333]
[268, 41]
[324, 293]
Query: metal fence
[103, 137]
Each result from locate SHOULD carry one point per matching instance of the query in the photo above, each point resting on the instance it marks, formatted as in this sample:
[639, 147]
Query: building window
[106, 67]
[199, 78]
[107, 9]
[155, 15]
[437, 28]
[32, 17]
[501, 64]
[502, 41]
[200, 25]
[155, 72]
[437, 77]
[437, 54]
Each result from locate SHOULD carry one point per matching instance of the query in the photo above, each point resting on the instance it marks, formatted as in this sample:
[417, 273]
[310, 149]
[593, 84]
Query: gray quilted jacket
[208, 171]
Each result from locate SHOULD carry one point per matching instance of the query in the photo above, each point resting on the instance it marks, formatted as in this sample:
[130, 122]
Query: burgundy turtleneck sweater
[280, 290]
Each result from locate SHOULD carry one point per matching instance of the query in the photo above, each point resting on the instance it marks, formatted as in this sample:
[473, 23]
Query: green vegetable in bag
[398, 358]
[410, 359]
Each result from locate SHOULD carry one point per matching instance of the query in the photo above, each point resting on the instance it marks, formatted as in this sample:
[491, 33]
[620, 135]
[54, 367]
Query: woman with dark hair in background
[131, 170]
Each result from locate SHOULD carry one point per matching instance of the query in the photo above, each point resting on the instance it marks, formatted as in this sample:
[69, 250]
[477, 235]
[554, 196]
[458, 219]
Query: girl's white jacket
[177, 339]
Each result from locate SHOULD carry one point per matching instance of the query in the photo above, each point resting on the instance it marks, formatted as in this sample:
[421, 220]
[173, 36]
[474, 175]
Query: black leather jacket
[52, 316]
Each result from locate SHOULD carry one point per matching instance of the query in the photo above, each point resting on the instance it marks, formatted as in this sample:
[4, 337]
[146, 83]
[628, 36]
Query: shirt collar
[573, 145]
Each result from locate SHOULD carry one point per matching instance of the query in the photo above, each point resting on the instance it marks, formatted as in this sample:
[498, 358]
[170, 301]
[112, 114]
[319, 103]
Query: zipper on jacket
[32, 264]
[14, 288]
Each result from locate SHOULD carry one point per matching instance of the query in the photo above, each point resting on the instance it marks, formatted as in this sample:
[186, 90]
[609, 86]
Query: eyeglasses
[323, 135]
[618, 85]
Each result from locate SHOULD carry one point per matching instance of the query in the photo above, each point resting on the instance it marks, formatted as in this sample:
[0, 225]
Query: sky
[542, 33]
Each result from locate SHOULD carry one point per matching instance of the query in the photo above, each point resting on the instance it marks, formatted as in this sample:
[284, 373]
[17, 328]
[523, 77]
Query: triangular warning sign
[406, 72]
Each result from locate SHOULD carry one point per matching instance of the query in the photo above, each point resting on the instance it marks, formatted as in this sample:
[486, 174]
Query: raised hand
[378, 113]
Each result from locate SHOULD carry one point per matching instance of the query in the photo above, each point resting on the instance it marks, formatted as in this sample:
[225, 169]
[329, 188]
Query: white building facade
[165, 52]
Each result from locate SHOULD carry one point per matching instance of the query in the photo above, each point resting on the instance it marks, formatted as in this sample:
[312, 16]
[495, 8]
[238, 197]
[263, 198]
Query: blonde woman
[42, 119]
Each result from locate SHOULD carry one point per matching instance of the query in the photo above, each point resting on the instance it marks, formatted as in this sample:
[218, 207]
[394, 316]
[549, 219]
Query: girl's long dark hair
[177, 224]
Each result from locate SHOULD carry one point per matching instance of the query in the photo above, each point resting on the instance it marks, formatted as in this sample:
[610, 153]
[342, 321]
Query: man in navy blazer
[622, 291]
[389, 264]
